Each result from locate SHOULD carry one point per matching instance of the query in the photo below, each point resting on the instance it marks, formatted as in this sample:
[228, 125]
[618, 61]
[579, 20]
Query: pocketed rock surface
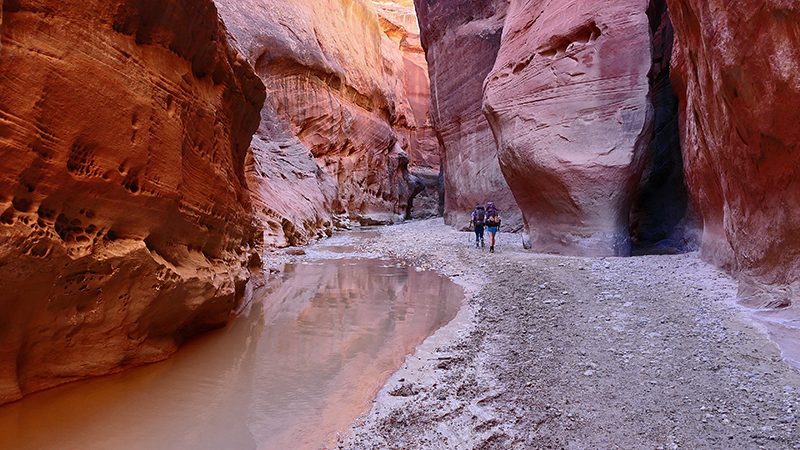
[645, 352]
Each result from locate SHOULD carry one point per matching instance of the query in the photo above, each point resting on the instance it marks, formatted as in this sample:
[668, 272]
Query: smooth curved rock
[461, 39]
[735, 68]
[336, 101]
[125, 223]
[568, 101]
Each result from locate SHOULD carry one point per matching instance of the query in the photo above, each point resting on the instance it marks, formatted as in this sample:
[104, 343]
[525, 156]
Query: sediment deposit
[581, 352]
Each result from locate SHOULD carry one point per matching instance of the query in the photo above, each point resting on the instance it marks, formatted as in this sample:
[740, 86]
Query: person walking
[478, 221]
[492, 223]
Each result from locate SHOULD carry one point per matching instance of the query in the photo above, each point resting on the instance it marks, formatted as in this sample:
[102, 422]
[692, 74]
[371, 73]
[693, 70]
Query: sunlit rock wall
[735, 66]
[125, 223]
[461, 39]
[568, 100]
[335, 94]
[401, 32]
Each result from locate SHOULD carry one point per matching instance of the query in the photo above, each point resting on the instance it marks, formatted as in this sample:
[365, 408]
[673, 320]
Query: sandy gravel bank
[580, 353]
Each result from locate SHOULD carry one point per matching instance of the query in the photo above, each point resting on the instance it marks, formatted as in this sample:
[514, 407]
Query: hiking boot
[491, 249]
[482, 243]
[476, 245]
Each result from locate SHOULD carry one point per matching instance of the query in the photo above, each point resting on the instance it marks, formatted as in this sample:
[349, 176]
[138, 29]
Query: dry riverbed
[580, 353]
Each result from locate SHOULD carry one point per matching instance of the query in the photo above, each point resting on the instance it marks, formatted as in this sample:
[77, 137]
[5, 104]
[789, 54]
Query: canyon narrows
[641, 125]
[344, 128]
[158, 157]
[151, 153]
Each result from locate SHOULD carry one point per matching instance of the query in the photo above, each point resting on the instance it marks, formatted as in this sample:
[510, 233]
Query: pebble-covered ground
[556, 352]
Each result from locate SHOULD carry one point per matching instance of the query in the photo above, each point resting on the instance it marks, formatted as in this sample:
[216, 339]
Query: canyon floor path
[646, 352]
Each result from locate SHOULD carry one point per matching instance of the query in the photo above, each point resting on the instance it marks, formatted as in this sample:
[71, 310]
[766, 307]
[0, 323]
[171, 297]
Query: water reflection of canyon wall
[134, 200]
[300, 366]
[124, 213]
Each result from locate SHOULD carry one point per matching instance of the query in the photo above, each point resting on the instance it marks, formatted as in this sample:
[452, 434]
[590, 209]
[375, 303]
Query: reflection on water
[300, 366]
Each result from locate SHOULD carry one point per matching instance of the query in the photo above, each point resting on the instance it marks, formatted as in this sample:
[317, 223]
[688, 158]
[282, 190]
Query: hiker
[492, 223]
[478, 219]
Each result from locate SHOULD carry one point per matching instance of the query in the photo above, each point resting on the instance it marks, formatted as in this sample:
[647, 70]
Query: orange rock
[337, 114]
[125, 223]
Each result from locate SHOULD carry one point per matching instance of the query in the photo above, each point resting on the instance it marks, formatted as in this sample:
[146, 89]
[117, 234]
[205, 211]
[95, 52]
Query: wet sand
[647, 352]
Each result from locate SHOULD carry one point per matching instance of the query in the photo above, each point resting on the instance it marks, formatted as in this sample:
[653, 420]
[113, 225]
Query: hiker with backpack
[478, 221]
[492, 223]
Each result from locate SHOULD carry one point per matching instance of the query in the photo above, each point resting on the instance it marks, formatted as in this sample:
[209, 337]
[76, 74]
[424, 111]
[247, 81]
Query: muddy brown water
[299, 367]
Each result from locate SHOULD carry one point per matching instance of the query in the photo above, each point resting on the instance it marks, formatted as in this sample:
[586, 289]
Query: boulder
[461, 39]
[125, 221]
[735, 68]
[569, 103]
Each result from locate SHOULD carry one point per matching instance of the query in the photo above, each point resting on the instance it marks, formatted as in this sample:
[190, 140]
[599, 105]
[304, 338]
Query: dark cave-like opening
[661, 220]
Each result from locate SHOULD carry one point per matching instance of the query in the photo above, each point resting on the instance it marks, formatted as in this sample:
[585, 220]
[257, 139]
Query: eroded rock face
[125, 222]
[461, 39]
[568, 101]
[415, 131]
[735, 67]
[335, 102]
[398, 22]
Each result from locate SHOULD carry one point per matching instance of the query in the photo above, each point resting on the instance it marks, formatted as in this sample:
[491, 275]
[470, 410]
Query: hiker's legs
[491, 241]
[478, 236]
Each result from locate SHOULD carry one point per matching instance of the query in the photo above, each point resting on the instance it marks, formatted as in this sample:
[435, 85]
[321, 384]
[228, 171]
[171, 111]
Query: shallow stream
[301, 365]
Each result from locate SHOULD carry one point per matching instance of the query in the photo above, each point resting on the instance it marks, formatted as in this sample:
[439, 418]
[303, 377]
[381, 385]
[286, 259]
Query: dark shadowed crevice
[661, 220]
[415, 187]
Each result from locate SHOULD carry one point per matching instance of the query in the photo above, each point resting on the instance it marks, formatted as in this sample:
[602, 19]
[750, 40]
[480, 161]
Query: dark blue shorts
[492, 230]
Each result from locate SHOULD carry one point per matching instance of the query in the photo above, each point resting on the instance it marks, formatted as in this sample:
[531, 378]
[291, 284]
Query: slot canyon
[168, 168]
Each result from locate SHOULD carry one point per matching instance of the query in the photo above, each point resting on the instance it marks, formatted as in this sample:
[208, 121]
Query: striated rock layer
[735, 67]
[461, 39]
[568, 101]
[124, 216]
[401, 31]
[329, 142]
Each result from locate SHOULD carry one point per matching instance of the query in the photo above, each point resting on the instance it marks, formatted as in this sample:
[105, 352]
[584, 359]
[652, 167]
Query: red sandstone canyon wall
[568, 100]
[461, 39]
[125, 221]
[337, 127]
[735, 67]
[401, 32]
